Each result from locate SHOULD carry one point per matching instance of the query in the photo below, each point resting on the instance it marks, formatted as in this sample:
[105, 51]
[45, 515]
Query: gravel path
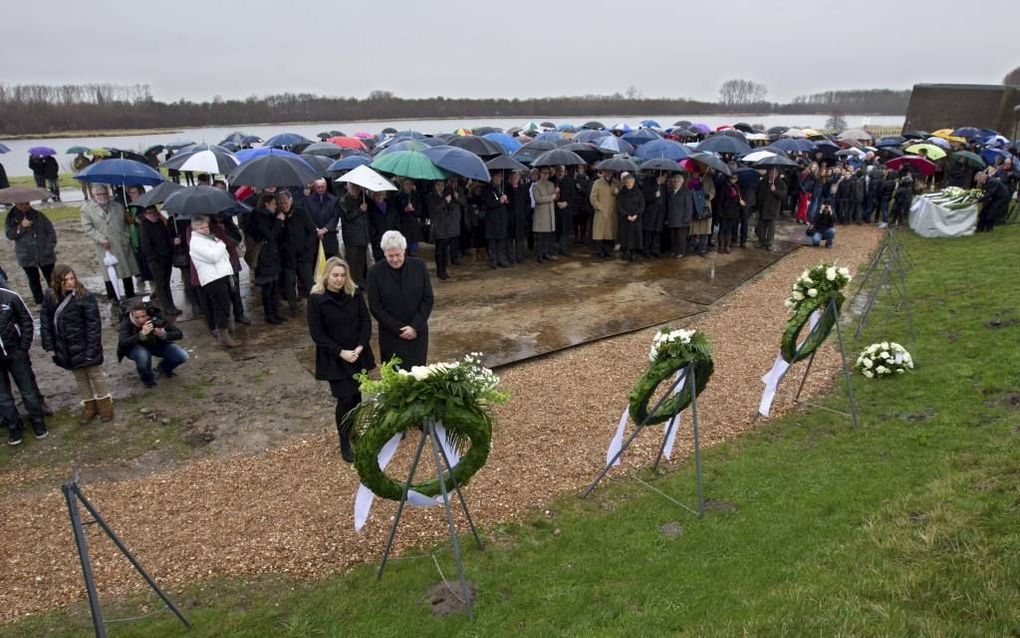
[290, 509]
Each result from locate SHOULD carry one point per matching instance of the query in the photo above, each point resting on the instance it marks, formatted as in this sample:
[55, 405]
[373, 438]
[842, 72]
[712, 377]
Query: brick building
[937, 106]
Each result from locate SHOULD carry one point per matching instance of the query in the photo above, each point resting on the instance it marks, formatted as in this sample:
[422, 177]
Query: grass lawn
[66, 180]
[908, 526]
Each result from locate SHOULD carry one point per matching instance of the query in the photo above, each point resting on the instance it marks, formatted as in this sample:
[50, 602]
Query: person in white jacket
[212, 265]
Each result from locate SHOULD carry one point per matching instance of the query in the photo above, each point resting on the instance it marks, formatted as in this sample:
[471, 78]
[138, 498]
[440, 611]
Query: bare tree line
[28, 109]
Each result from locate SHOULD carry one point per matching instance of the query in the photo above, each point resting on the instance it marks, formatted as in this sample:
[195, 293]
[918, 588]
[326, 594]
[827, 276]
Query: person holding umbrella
[354, 225]
[157, 239]
[72, 334]
[903, 197]
[565, 208]
[445, 214]
[770, 198]
[543, 224]
[409, 209]
[603, 201]
[322, 206]
[653, 218]
[518, 209]
[266, 231]
[302, 249]
[679, 212]
[730, 204]
[212, 266]
[51, 172]
[37, 164]
[492, 202]
[35, 242]
[102, 220]
[630, 204]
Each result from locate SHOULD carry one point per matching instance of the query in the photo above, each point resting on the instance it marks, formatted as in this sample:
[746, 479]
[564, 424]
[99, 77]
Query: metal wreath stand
[688, 373]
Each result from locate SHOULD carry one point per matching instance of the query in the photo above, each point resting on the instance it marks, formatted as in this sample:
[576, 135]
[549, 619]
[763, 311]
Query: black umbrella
[477, 145]
[300, 147]
[747, 177]
[531, 150]
[389, 130]
[327, 149]
[594, 124]
[590, 135]
[711, 161]
[744, 126]
[734, 133]
[826, 147]
[155, 149]
[336, 133]
[272, 169]
[778, 130]
[685, 132]
[547, 124]
[916, 135]
[232, 147]
[157, 195]
[889, 152]
[198, 200]
[661, 164]
[776, 161]
[618, 164]
[485, 130]
[725, 144]
[683, 123]
[319, 163]
[559, 157]
[586, 151]
[323, 135]
[505, 163]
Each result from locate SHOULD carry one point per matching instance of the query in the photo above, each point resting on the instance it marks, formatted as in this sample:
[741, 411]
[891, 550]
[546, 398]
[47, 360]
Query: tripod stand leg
[697, 443]
[800, 388]
[846, 370]
[127, 554]
[400, 507]
[434, 443]
[460, 494]
[81, 543]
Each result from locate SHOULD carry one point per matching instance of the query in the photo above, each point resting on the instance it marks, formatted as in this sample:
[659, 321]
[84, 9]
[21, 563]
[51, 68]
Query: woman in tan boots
[72, 333]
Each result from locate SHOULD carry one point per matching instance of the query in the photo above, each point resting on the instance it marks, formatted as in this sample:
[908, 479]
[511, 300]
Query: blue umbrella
[120, 171]
[650, 124]
[591, 136]
[248, 140]
[349, 163]
[566, 128]
[433, 141]
[747, 177]
[548, 135]
[615, 145]
[41, 150]
[286, 139]
[412, 134]
[621, 126]
[725, 144]
[891, 141]
[249, 154]
[4, 149]
[991, 154]
[968, 132]
[405, 145]
[641, 136]
[508, 142]
[667, 149]
[789, 145]
[458, 161]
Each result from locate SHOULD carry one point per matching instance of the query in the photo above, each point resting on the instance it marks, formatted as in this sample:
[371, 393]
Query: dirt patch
[446, 597]
[996, 324]
[1011, 401]
[671, 529]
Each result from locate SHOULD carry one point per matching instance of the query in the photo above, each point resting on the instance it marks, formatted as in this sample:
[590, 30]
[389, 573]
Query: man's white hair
[393, 239]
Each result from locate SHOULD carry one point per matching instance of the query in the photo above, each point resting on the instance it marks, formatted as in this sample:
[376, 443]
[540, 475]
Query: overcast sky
[527, 48]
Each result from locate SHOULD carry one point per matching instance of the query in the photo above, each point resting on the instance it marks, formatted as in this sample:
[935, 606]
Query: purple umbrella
[41, 150]
[701, 127]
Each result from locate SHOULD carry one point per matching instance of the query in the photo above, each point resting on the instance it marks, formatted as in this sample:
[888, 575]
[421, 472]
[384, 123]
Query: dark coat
[339, 322]
[265, 227]
[302, 238]
[156, 239]
[37, 164]
[494, 214]
[729, 202]
[445, 215]
[654, 216]
[679, 207]
[324, 214]
[397, 298]
[16, 328]
[75, 337]
[824, 220]
[770, 202]
[51, 170]
[887, 187]
[994, 200]
[518, 208]
[4, 182]
[129, 335]
[629, 202]
[35, 245]
[959, 173]
[382, 217]
[409, 223]
[353, 222]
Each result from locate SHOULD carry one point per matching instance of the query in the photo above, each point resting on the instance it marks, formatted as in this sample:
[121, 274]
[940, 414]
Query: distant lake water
[16, 162]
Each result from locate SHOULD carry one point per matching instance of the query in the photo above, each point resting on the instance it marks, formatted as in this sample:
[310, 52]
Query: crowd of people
[371, 242]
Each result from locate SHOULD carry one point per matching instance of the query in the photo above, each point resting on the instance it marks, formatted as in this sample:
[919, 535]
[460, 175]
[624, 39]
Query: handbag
[179, 258]
[251, 253]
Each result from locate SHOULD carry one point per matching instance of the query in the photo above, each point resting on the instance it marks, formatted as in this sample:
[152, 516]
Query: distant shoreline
[524, 118]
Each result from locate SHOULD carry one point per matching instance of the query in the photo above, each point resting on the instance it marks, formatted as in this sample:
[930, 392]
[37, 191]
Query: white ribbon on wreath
[778, 371]
[365, 497]
[670, 428]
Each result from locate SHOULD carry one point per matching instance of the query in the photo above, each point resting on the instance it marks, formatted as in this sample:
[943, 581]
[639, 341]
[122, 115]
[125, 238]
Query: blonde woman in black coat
[341, 327]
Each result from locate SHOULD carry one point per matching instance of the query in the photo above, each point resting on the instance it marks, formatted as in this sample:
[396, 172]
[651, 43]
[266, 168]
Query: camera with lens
[155, 314]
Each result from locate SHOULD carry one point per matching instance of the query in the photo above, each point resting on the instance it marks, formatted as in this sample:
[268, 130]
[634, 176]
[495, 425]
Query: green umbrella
[77, 149]
[971, 158]
[408, 164]
[934, 152]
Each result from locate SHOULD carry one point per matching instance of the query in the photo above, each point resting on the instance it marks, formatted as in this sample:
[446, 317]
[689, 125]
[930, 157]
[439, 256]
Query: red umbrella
[347, 142]
[914, 163]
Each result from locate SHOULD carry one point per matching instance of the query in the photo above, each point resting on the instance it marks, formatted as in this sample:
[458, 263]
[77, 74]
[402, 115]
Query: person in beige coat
[603, 200]
[543, 199]
[102, 220]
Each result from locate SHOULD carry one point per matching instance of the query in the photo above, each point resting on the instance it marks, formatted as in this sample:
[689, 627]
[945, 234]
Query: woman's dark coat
[35, 245]
[518, 208]
[679, 207]
[729, 202]
[629, 203]
[401, 297]
[409, 223]
[494, 214]
[445, 215]
[339, 322]
[76, 338]
[265, 227]
[654, 217]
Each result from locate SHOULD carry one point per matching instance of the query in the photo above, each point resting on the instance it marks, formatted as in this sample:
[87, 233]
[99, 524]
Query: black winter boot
[344, 428]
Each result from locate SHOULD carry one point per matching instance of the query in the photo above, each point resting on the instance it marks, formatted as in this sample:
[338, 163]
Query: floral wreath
[884, 359]
[812, 291]
[672, 350]
[460, 394]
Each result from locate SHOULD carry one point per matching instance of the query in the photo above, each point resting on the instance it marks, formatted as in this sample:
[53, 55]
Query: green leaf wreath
[813, 290]
[460, 394]
[672, 350]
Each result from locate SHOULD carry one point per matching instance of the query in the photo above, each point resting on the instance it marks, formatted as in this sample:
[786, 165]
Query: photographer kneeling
[145, 333]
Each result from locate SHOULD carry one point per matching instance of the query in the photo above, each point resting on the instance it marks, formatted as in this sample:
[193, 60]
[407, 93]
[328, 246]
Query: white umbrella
[857, 134]
[794, 132]
[111, 268]
[205, 161]
[757, 137]
[757, 156]
[368, 179]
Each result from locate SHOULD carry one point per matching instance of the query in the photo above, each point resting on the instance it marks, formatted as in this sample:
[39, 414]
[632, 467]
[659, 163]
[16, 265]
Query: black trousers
[679, 240]
[357, 259]
[306, 276]
[235, 296]
[129, 289]
[442, 258]
[270, 305]
[565, 229]
[497, 251]
[32, 272]
[161, 272]
[651, 242]
[18, 367]
[543, 244]
[217, 294]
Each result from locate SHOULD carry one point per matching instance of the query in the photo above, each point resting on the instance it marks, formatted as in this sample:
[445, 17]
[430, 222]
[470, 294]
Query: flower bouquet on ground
[884, 359]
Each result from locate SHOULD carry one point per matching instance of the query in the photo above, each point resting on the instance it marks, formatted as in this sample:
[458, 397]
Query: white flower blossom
[797, 295]
[868, 373]
[830, 273]
[867, 363]
[845, 272]
[882, 370]
[813, 292]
